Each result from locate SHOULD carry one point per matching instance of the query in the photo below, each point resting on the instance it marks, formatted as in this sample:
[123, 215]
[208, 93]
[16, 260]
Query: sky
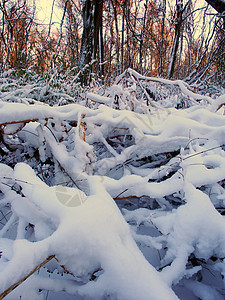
[44, 8]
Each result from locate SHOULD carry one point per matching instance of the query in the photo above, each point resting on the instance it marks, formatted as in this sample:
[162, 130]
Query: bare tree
[178, 25]
[17, 21]
[162, 36]
[92, 41]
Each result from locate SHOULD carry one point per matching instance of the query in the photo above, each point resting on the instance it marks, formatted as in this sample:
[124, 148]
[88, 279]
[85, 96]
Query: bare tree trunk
[91, 38]
[162, 37]
[98, 36]
[218, 5]
[86, 49]
[117, 32]
[142, 38]
[130, 61]
[179, 65]
[50, 21]
[122, 39]
[111, 39]
[178, 24]
[101, 51]
[57, 49]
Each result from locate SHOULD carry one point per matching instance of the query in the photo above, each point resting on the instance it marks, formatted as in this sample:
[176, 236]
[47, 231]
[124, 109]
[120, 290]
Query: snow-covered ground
[117, 196]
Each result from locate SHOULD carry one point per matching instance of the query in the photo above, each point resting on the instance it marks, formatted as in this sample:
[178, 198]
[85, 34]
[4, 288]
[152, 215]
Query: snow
[189, 231]
[84, 240]
[98, 98]
[127, 199]
[185, 88]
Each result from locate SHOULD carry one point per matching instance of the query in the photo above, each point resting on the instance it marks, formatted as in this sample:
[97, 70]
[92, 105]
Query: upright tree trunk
[122, 40]
[218, 5]
[178, 24]
[92, 39]
[180, 55]
[142, 35]
[128, 33]
[101, 53]
[162, 37]
[86, 49]
[117, 34]
[98, 36]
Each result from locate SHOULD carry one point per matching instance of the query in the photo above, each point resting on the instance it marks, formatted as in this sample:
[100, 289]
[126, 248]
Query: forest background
[182, 39]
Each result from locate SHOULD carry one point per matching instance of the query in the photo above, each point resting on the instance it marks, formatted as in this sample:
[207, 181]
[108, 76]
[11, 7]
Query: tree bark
[122, 39]
[92, 39]
[86, 49]
[162, 37]
[142, 35]
[178, 24]
[115, 7]
[218, 5]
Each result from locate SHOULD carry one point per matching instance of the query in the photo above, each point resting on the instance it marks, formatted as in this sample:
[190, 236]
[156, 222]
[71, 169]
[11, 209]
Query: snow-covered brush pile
[167, 93]
[29, 87]
[80, 184]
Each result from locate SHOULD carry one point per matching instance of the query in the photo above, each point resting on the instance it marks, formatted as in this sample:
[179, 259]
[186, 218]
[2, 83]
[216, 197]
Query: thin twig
[13, 286]
[52, 132]
[121, 193]
[186, 147]
[203, 151]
